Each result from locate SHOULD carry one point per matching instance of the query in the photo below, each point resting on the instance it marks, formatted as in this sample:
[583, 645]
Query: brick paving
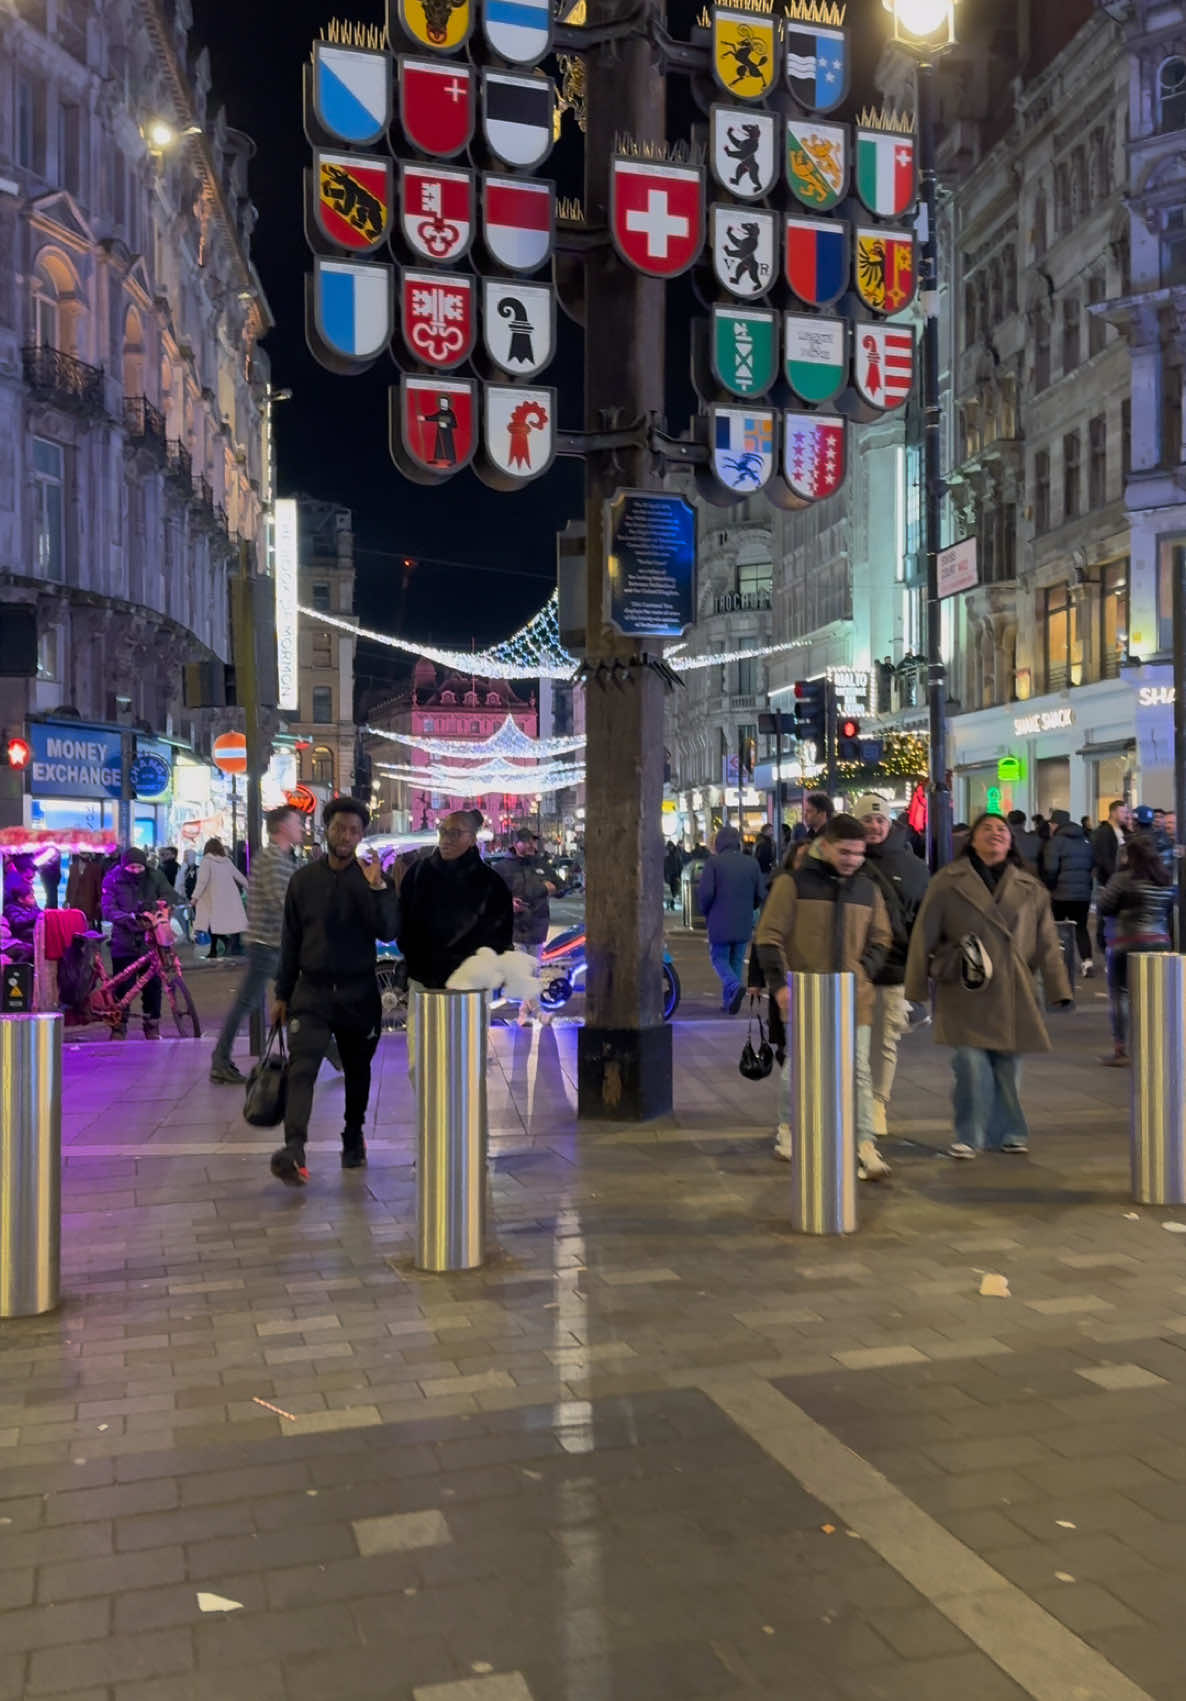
[657, 1448]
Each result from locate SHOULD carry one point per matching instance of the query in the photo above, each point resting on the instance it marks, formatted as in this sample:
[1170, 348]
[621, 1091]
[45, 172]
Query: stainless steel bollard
[30, 1164]
[821, 1058]
[450, 1044]
[1157, 996]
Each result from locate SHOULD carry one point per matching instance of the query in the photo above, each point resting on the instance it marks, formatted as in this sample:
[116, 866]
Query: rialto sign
[1049, 720]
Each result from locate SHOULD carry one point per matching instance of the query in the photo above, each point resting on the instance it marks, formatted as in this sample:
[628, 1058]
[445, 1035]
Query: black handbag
[756, 1063]
[267, 1085]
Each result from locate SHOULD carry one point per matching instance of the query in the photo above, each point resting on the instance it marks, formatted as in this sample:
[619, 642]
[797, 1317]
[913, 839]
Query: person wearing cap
[1066, 867]
[901, 877]
[985, 927]
[129, 889]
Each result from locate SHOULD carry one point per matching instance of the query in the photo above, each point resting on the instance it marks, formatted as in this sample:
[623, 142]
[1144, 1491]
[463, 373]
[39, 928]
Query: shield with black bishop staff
[518, 325]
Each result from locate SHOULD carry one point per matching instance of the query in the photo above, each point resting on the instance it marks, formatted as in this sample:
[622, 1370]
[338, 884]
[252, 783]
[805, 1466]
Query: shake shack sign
[75, 761]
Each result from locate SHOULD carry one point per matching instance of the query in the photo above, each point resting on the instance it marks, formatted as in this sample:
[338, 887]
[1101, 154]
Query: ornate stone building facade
[324, 725]
[132, 391]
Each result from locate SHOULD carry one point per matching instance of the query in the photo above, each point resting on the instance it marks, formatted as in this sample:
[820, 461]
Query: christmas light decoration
[476, 782]
[509, 740]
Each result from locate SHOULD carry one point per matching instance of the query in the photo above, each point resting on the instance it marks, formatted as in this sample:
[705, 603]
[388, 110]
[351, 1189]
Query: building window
[70, 149]
[57, 305]
[1038, 228]
[755, 579]
[1062, 199]
[1042, 491]
[1171, 94]
[323, 766]
[49, 509]
[1071, 469]
[1042, 351]
[1070, 333]
[429, 724]
[449, 697]
[323, 705]
[30, 124]
[1126, 436]
[1097, 329]
[1113, 619]
[969, 314]
[1063, 660]
[1097, 461]
[323, 650]
[1170, 567]
[747, 670]
[1079, 195]
[1173, 248]
[1171, 415]
[321, 598]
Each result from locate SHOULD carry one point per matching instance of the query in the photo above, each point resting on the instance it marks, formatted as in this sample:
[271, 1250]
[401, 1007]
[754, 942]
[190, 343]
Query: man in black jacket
[451, 904]
[334, 911]
[902, 880]
[1067, 860]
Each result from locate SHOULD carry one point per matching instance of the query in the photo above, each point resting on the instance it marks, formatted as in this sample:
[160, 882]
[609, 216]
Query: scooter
[562, 973]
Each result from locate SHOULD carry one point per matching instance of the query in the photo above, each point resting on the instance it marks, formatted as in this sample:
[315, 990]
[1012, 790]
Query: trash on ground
[1174, 1228]
[1065, 1524]
[1132, 1216]
[993, 1286]
[1064, 1577]
[217, 1603]
[828, 1529]
[255, 1400]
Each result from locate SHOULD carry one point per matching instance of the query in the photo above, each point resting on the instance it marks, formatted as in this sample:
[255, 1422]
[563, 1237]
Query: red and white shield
[520, 430]
[438, 317]
[438, 423]
[437, 215]
[883, 363]
[657, 215]
[436, 105]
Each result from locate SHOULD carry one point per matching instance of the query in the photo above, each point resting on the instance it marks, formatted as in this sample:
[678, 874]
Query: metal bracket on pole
[619, 672]
[641, 435]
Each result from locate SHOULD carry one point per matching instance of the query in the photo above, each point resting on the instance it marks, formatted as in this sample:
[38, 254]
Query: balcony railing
[742, 602]
[61, 379]
[180, 463]
[145, 425]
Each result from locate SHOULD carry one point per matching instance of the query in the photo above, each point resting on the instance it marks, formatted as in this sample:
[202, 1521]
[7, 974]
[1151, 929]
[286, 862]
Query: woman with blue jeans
[985, 929]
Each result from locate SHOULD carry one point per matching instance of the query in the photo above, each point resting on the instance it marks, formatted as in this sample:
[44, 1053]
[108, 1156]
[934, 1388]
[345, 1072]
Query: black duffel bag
[267, 1085]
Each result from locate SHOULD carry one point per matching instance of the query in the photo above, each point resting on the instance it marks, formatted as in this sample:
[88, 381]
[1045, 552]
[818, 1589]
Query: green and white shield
[744, 349]
[815, 355]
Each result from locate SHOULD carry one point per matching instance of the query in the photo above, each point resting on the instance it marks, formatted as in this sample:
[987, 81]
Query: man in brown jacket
[827, 917]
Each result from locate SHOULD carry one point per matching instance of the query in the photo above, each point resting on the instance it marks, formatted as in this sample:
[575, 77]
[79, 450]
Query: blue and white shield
[817, 66]
[352, 318]
[351, 92]
[742, 448]
[519, 31]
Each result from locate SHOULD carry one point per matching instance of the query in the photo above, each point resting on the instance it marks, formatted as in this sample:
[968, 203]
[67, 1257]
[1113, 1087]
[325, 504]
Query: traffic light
[811, 713]
[848, 734]
[17, 752]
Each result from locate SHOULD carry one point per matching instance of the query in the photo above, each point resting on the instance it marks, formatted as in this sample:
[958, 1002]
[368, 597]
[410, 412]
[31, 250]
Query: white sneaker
[782, 1143]
[961, 1149]
[524, 1017]
[871, 1166]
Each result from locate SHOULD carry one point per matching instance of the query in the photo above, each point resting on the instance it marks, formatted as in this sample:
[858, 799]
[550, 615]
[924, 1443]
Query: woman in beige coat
[984, 929]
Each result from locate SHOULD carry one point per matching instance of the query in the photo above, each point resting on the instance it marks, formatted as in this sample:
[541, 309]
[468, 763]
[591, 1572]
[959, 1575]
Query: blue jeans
[728, 959]
[986, 1098]
[262, 963]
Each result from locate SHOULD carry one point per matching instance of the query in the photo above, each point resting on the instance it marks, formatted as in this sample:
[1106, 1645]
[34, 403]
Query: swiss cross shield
[436, 105]
[744, 341]
[518, 325]
[815, 355]
[437, 425]
[517, 111]
[817, 162]
[519, 430]
[742, 447]
[443, 26]
[436, 211]
[348, 313]
[813, 454]
[518, 216]
[883, 364]
[743, 249]
[885, 270]
[351, 90]
[744, 53]
[352, 199]
[437, 314]
[656, 215]
[744, 152]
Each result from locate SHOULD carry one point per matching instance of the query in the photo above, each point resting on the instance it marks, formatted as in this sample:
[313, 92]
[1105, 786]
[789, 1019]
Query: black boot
[288, 1164]
[354, 1149]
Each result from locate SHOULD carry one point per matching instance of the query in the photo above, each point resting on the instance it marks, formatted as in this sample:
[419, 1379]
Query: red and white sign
[436, 105]
[517, 219]
[229, 752]
[437, 214]
[657, 215]
[438, 424]
[957, 568]
[884, 364]
[438, 317]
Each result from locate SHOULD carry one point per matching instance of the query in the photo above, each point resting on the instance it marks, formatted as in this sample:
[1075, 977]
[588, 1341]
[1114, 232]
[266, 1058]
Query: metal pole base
[1157, 995]
[449, 1030]
[821, 1058]
[624, 1074]
[30, 1164]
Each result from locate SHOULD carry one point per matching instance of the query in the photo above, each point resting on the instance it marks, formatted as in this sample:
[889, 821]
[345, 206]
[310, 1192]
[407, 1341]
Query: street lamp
[926, 28]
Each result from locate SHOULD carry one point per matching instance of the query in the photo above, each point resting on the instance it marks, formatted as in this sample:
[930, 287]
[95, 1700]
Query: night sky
[484, 561]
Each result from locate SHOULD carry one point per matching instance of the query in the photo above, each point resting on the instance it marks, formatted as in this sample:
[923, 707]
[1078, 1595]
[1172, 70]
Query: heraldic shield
[813, 454]
[885, 269]
[742, 447]
[883, 364]
[436, 212]
[438, 317]
[815, 355]
[352, 200]
[350, 89]
[436, 105]
[519, 31]
[656, 215]
[817, 162]
[744, 152]
[442, 26]
[433, 426]
[744, 349]
[518, 325]
[519, 435]
[744, 244]
[348, 314]
[817, 66]
[518, 217]
[744, 53]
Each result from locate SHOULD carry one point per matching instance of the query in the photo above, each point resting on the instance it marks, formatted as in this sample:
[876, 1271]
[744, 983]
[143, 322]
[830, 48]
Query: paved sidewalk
[658, 1448]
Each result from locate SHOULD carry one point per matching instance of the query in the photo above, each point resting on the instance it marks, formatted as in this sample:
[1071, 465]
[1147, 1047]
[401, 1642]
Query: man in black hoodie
[334, 911]
[451, 904]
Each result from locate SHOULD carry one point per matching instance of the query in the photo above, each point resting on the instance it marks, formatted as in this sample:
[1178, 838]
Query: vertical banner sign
[286, 568]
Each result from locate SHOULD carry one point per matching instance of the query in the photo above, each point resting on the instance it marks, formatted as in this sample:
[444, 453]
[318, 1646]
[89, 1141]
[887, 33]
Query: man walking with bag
[266, 892]
[334, 911]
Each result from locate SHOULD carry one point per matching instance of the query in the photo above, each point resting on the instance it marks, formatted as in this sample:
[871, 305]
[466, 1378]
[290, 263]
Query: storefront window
[1113, 619]
[1110, 779]
[983, 791]
[1054, 784]
[1064, 656]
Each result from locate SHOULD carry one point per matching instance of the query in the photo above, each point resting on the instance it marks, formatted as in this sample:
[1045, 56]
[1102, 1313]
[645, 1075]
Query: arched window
[471, 699]
[133, 369]
[323, 766]
[493, 699]
[57, 304]
[1171, 93]
[448, 697]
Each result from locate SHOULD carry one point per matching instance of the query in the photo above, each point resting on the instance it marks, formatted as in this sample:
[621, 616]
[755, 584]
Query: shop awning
[1109, 747]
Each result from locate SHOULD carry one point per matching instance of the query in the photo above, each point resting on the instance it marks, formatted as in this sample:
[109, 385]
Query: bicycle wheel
[671, 991]
[181, 1002]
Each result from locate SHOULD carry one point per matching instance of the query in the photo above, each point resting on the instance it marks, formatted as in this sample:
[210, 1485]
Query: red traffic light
[801, 689]
[849, 728]
[19, 752]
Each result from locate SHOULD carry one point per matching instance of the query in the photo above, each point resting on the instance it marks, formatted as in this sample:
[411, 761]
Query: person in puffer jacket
[1066, 867]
